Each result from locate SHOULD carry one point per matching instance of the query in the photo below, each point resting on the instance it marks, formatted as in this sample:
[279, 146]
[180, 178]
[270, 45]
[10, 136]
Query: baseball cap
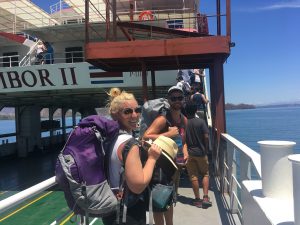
[174, 88]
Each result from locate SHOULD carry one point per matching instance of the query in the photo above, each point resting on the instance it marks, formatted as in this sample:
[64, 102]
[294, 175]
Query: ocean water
[8, 126]
[248, 126]
[253, 125]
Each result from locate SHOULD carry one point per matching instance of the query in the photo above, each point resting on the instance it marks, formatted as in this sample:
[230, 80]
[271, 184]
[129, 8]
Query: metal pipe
[26, 194]
[114, 11]
[218, 18]
[228, 19]
[131, 10]
[87, 39]
[107, 21]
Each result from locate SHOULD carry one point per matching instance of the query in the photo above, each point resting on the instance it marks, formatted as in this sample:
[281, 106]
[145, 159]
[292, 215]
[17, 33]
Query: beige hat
[169, 151]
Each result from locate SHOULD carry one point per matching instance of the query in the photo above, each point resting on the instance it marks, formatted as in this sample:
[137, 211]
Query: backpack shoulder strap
[168, 118]
[183, 122]
[68, 140]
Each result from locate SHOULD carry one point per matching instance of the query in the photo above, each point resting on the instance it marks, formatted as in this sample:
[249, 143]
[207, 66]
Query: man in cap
[173, 126]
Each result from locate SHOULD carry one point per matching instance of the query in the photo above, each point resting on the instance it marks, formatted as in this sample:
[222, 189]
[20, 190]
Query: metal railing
[234, 163]
[16, 199]
[160, 17]
[57, 7]
[30, 58]
[9, 61]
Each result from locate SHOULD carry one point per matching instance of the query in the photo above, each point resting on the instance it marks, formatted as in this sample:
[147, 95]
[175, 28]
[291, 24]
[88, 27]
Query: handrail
[234, 163]
[58, 57]
[27, 58]
[60, 5]
[8, 135]
[11, 62]
[164, 13]
[26, 194]
[9, 56]
[254, 157]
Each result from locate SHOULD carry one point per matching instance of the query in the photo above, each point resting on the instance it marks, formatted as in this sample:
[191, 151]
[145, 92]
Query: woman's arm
[137, 176]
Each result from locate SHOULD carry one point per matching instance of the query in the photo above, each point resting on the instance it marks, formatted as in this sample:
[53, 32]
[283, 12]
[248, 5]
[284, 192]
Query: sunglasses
[128, 111]
[174, 98]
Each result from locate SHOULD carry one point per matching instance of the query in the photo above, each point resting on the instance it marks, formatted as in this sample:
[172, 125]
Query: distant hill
[230, 106]
[9, 113]
[279, 105]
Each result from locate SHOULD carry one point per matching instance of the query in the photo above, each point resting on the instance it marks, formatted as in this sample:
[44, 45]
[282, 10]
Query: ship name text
[37, 78]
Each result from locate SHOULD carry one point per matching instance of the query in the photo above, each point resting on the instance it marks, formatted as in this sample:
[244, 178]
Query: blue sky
[264, 66]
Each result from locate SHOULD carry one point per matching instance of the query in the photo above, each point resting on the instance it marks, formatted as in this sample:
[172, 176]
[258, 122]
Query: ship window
[175, 24]
[74, 54]
[10, 59]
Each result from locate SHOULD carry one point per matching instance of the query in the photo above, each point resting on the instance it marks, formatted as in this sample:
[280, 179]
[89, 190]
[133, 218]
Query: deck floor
[186, 213]
[19, 174]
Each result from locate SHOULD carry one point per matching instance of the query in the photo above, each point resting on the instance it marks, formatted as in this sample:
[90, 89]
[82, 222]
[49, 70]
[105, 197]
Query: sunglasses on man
[176, 98]
[128, 111]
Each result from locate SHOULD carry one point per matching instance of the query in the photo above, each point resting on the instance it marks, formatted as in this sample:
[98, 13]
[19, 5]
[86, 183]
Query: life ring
[146, 15]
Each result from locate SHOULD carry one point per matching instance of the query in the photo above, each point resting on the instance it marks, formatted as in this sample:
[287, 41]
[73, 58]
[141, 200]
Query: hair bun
[114, 92]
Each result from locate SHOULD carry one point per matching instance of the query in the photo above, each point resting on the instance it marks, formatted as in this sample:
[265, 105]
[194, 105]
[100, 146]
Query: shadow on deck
[186, 213]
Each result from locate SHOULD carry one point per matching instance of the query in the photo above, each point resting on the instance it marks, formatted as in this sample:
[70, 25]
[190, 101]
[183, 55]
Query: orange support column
[217, 96]
[217, 106]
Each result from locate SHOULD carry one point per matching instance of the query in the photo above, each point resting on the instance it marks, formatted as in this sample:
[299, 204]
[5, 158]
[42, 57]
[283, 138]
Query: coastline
[11, 116]
[230, 106]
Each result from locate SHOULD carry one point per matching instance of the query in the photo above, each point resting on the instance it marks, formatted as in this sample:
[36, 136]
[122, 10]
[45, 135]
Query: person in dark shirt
[200, 100]
[197, 161]
[49, 54]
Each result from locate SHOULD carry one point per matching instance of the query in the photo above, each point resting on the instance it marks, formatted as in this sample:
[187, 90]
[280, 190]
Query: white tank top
[115, 164]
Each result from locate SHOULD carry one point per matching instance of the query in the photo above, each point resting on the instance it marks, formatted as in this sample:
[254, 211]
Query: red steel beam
[158, 48]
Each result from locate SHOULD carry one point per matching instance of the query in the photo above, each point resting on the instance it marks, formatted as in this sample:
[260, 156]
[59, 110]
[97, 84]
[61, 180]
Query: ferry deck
[138, 46]
[52, 208]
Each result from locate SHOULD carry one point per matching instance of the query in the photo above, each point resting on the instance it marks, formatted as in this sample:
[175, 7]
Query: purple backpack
[81, 167]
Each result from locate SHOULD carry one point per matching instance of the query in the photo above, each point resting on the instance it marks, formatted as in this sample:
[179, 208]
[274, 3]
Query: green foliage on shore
[7, 116]
[230, 106]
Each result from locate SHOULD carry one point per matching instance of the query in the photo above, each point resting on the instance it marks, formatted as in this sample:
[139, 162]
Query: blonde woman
[139, 165]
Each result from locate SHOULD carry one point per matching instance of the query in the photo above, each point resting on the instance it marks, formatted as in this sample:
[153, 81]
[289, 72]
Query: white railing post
[295, 159]
[276, 171]
[229, 166]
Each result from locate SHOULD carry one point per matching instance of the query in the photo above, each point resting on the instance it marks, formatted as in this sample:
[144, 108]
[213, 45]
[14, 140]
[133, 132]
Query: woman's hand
[137, 176]
[154, 152]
